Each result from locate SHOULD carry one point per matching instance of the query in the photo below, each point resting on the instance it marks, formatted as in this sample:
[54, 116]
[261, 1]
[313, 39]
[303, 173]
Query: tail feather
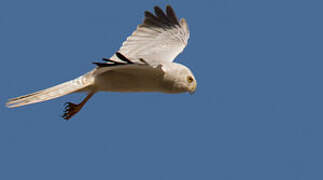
[59, 90]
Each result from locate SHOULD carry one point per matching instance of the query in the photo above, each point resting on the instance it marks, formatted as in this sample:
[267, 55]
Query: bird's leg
[71, 109]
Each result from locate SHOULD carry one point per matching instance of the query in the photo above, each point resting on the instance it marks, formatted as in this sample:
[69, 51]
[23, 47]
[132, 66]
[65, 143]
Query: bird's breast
[130, 80]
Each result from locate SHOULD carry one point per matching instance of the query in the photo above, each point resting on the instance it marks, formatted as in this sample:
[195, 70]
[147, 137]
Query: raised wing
[160, 38]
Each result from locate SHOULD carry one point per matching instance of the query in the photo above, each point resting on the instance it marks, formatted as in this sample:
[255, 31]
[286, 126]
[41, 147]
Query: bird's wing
[160, 38]
[120, 63]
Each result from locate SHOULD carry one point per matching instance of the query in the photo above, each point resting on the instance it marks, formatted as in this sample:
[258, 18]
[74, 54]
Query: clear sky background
[257, 112]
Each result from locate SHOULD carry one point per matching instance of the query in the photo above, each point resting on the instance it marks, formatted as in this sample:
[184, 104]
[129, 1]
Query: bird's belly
[128, 82]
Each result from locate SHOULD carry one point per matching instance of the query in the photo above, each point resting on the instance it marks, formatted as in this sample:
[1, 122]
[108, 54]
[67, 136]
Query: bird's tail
[77, 85]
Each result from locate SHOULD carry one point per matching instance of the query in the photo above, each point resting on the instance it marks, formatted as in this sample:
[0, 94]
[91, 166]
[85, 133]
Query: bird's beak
[193, 89]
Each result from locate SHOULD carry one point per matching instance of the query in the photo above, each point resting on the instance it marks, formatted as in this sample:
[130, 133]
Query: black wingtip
[110, 62]
[106, 59]
[99, 64]
[161, 18]
[123, 58]
[157, 8]
[171, 14]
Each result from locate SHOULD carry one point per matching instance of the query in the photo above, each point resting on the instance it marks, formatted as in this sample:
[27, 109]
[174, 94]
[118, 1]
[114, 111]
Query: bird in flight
[144, 63]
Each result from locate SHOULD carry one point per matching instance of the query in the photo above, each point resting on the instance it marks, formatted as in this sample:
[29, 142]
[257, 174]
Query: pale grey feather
[79, 84]
[160, 38]
[144, 64]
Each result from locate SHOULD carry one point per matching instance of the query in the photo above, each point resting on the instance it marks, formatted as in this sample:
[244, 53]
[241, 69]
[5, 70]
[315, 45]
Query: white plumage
[144, 63]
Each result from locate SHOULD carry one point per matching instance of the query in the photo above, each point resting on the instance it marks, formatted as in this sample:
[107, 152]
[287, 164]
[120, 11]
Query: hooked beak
[193, 89]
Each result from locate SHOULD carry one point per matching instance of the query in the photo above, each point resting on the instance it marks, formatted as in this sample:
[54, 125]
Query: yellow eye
[190, 79]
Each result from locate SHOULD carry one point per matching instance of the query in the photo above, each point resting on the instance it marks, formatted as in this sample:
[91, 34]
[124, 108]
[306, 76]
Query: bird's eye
[190, 79]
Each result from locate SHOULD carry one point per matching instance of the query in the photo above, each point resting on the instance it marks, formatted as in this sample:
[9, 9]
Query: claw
[70, 110]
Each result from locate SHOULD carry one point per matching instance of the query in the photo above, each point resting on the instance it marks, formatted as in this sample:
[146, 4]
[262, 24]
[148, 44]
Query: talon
[70, 110]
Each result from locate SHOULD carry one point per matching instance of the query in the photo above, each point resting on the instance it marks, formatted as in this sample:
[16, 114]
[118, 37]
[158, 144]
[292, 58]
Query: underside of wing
[120, 63]
[160, 38]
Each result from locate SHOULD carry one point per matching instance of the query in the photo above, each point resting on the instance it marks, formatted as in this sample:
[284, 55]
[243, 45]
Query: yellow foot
[70, 110]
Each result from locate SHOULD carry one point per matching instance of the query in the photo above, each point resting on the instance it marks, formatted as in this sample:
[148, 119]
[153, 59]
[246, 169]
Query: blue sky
[257, 112]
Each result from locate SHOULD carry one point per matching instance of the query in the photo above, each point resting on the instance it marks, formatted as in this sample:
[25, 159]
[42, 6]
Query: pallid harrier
[144, 63]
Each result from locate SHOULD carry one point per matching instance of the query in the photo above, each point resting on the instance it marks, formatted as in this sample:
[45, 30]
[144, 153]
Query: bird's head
[178, 78]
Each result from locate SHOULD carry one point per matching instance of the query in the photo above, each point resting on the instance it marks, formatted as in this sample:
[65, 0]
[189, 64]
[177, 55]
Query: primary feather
[160, 38]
